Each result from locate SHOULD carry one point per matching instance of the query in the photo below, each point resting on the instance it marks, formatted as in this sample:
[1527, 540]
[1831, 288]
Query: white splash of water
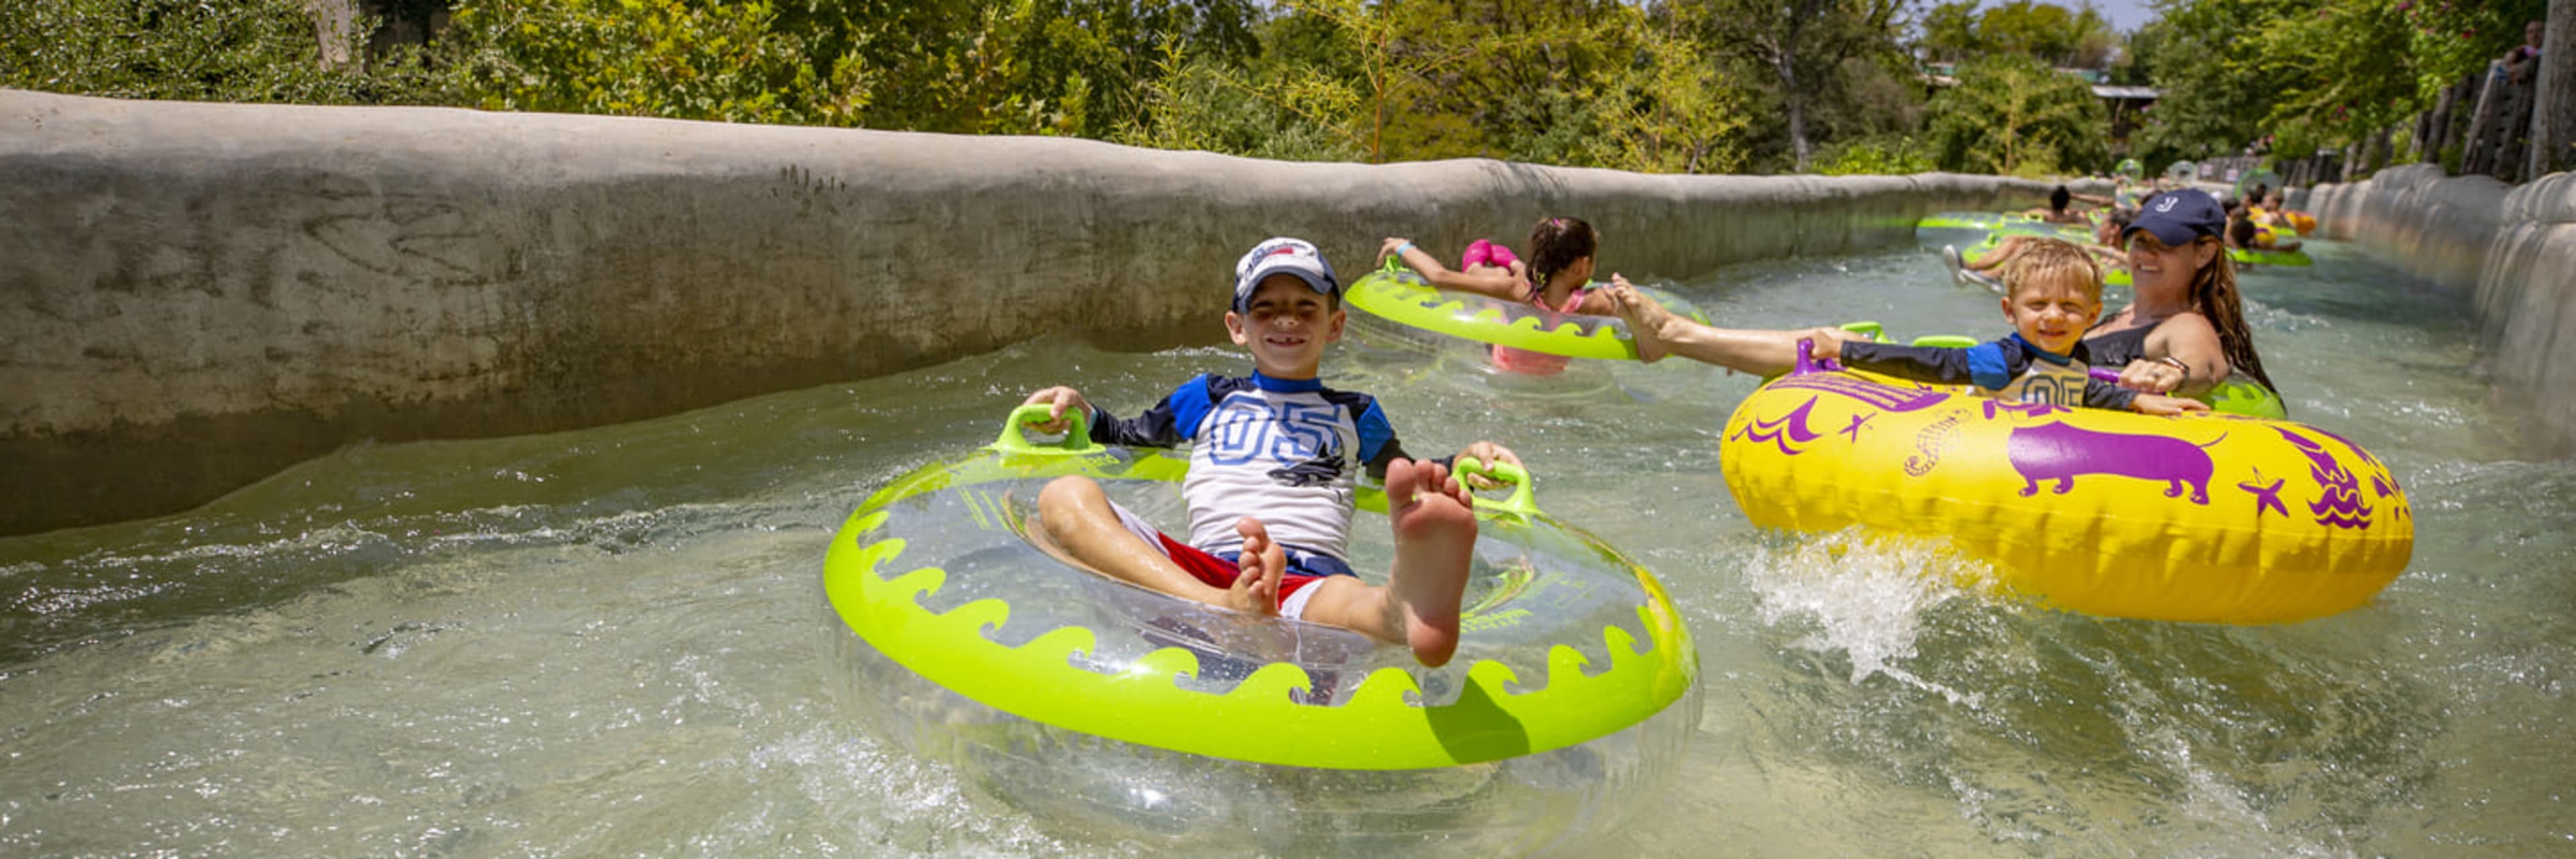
[1867, 595]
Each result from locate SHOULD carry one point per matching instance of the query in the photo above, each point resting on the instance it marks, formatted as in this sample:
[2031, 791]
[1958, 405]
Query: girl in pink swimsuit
[1555, 279]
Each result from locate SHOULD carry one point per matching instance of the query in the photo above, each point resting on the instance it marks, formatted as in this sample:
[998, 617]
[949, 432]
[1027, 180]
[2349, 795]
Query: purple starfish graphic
[1857, 420]
[2265, 497]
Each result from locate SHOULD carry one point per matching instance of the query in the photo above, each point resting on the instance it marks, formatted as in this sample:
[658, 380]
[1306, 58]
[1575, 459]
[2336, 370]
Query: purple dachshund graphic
[2055, 451]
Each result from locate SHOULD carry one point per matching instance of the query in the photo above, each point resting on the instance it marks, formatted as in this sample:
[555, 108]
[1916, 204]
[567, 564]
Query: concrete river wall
[197, 295]
[2509, 252]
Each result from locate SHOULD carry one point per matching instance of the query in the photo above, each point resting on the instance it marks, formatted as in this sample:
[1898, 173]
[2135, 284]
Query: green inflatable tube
[1565, 640]
[2260, 256]
[1399, 296]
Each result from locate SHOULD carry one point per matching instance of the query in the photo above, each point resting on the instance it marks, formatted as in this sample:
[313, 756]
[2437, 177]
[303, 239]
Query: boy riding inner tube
[2217, 519]
[2236, 396]
[1068, 690]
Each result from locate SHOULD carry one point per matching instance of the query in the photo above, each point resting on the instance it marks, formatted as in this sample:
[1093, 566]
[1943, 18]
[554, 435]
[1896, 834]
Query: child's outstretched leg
[1645, 322]
[1659, 332]
[1435, 539]
[1077, 524]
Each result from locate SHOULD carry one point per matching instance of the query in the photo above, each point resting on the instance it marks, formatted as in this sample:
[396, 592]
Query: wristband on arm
[2177, 364]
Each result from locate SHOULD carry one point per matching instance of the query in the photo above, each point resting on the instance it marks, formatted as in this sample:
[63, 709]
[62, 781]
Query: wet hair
[2116, 221]
[2241, 232]
[1554, 245]
[2213, 293]
[2058, 199]
[2045, 259]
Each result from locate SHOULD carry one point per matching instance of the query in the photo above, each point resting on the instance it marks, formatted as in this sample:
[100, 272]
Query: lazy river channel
[612, 641]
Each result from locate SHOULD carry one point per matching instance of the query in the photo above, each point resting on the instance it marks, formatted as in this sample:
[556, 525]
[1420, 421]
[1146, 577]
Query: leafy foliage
[666, 58]
[1550, 81]
[2310, 73]
[1880, 157]
[2054, 34]
[2212, 104]
[1674, 111]
[1802, 52]
[243, 50]
[2451, 38]
[2015, 115]
[1668, 86]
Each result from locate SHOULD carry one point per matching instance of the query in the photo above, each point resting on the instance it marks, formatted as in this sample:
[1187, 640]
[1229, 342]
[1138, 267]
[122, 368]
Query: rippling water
[611, 641]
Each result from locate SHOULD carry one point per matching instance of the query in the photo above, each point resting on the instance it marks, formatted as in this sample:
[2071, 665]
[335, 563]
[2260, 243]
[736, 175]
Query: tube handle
[1015, 434]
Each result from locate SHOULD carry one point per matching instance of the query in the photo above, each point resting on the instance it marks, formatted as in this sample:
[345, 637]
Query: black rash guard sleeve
[1936, 364]
[2099, 394]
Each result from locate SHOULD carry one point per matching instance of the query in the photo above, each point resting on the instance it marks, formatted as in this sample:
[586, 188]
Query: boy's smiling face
[2053, 312]
[1286, 325]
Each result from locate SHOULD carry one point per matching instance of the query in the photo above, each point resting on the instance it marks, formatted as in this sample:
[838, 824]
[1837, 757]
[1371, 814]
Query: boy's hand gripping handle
[1015, 436]
[1519, 501]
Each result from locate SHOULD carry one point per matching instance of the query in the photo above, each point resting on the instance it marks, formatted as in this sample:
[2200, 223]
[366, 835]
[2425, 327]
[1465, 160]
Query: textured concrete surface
[2509, 252]
[199, 294]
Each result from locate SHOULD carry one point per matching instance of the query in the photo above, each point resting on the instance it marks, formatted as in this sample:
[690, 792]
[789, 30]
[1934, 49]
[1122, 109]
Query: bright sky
[2126, 15]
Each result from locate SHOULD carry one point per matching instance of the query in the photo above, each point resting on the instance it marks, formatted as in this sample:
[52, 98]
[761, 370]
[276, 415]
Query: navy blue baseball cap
[2179, 217]
[1282, 255]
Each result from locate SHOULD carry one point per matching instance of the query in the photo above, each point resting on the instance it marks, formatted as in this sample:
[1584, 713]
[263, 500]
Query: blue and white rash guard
[1285, 451]
[2007, 369]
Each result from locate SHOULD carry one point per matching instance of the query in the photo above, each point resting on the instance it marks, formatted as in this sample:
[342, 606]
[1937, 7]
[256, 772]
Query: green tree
[2013, 114]
[1802, 45]
[2336, 71]
[1950, 31]
[242, 50]
[2449, 39]
[1675, 110]
[667, 58]
[2309, 73]
[1207, 104]
[1497, 77]
[2210, 106]
[2077, 38]
[1876, 158]
[1076, 67]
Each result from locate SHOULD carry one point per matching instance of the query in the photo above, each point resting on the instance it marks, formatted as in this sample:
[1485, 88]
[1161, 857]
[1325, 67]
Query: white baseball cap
[1282, 255]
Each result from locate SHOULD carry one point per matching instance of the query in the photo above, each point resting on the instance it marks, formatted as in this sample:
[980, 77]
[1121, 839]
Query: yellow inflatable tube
[2215, 519]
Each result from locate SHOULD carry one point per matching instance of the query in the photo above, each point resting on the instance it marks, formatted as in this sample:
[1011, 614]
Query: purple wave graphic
[1790, 428]
[2340, 503]
[2055, 451]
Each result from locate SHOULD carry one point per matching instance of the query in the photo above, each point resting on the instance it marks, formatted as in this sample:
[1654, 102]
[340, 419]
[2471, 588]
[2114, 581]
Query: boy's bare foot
[1256, 590]
[1645, 321]
[1435, 537]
